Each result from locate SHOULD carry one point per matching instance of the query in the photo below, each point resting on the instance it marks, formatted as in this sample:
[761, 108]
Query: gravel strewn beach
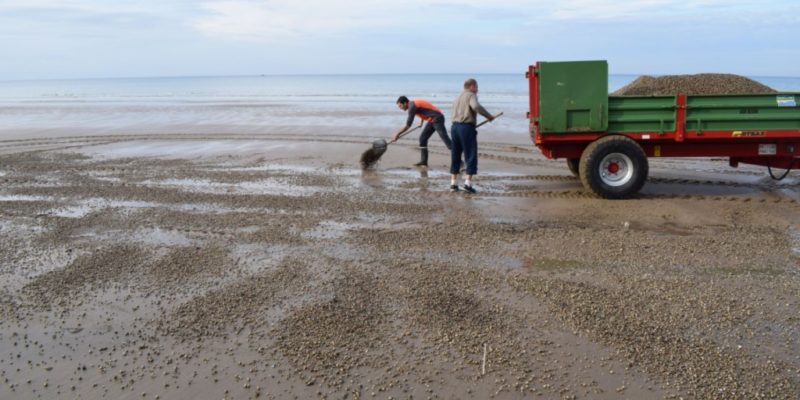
[271, 266]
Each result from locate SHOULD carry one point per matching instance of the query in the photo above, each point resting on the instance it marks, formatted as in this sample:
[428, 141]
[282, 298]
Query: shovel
[487, 121]
[370, 157]
[379, 146]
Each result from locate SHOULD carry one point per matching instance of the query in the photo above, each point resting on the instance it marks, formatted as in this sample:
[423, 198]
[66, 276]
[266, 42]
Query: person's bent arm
[473, 103]
[412, 113]
[400, 132]
[403, 130]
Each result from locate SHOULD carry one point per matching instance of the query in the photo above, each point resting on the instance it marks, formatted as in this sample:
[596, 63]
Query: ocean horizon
[346, 74]
[261, 103]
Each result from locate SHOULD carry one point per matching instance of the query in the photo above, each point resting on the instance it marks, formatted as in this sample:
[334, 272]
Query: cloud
[96, 7]
[280, 20]
[605, 10]
[135, 37]
[271, 20]
[81, 19]
[307, 20]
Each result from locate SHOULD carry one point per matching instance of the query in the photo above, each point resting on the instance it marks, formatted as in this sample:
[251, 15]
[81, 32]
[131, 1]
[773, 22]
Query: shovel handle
[406, 133]
[484, 122]
[420, 125]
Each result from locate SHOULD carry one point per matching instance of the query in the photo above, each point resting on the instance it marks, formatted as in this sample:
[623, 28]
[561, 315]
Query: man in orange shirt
[435, 122]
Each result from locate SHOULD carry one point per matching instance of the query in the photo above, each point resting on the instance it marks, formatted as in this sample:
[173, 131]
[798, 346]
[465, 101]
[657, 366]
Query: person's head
[471, 85]
[402, 103]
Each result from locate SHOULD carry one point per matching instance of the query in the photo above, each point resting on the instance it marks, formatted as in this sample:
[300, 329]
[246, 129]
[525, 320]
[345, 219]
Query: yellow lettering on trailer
[656, 151]
[738, 134]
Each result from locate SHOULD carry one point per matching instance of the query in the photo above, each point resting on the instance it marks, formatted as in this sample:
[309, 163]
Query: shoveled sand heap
[700, 84]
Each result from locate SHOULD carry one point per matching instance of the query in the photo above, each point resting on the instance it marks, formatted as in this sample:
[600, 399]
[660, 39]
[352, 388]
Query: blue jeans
[465, 140]
[438, 126]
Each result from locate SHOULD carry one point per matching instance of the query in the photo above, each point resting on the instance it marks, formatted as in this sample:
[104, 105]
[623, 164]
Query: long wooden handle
[405, 133]
[420, 125]
[484, 122]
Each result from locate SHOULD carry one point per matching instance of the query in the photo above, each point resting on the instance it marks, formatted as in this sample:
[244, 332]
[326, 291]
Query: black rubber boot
[423, 158]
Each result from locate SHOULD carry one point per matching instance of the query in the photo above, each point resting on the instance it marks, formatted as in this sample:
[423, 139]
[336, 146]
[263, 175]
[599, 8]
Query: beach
[225, 246]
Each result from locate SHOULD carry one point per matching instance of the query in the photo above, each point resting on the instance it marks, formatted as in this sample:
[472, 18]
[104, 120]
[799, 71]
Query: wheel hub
[616, 169]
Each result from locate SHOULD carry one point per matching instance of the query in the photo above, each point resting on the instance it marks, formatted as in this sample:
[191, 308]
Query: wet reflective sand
[271, 266]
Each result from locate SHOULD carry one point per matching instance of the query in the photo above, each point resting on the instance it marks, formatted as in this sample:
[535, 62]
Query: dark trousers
[438, 126]
[465, 140]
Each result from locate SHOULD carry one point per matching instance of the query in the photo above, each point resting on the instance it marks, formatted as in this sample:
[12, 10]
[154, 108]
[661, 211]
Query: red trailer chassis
[770, 148]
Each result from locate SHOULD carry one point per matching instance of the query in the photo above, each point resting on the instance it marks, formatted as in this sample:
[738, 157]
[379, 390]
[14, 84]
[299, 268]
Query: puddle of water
[660, 188]
[274, 167]
[250, 229]
[14, 197]
[276, 186]
[206, 208]
[177, 149]
[8, 228]
[414, 173]
[85, 207]
[438, 180]
[111, 179]
[14, 282]
[72, 212]
[503, 220]
[330, 230]
[264, 187]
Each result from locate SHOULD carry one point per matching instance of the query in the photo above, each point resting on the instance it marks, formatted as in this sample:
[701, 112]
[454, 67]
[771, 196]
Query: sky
[47, 39]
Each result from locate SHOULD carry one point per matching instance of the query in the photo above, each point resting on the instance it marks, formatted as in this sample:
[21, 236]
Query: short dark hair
[469, 82]
[402, 100]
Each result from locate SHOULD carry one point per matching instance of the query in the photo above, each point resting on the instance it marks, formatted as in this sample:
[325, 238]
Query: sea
[342, 104]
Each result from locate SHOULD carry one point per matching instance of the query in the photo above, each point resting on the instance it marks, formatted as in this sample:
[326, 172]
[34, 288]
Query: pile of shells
[699, 84]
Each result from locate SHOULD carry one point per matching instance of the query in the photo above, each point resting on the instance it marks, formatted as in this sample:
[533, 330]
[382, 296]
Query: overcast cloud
[92, 38]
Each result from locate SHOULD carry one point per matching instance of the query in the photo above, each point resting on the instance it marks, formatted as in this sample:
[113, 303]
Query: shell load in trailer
[607, 140]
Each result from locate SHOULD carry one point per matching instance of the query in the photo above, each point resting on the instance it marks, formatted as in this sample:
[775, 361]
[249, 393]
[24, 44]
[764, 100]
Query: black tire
[574, 166]
[613, 167]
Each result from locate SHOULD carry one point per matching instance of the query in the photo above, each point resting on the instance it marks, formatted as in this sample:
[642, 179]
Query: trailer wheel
[613, 167]
[574, 166]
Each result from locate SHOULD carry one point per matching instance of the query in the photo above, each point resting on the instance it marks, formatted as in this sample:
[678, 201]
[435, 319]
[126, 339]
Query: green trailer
[607, 140]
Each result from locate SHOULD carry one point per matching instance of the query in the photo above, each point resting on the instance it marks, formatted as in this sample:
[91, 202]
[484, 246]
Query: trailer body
[570, 109]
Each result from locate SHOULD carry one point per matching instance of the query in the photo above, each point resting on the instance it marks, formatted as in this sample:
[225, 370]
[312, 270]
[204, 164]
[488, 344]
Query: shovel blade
[379, 145]
[370, 157]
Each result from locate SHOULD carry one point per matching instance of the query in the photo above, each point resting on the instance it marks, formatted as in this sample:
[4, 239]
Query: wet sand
[270, 266]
